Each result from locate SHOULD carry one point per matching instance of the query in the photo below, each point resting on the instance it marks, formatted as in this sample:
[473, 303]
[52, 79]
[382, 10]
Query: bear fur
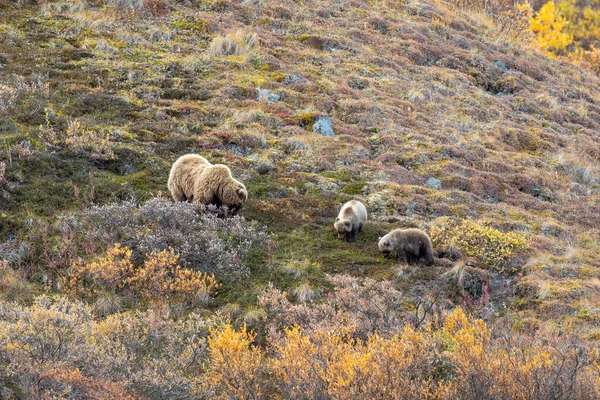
[408, 245]
[193, 178]
[350, 220]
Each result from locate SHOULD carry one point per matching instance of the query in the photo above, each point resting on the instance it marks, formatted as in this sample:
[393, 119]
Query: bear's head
[230, 192]
[387, 246]
[343, 227]
[236, 195]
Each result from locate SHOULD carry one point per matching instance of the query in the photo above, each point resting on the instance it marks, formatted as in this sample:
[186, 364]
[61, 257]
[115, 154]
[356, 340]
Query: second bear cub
[350, 220]
[408, 245]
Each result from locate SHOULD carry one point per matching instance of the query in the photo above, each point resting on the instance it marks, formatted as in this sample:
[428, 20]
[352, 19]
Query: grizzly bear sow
[350, 220]
[192, 178]
[408, 245]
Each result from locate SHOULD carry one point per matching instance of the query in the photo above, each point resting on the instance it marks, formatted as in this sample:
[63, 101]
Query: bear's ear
[242, 193]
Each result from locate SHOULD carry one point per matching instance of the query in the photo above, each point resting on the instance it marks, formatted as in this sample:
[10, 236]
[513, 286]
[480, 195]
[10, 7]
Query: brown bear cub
[192, 178]
[350, 220]
[408, 245]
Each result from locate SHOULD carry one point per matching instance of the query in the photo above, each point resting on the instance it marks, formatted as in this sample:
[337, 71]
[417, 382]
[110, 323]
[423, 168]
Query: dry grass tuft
[237, 43]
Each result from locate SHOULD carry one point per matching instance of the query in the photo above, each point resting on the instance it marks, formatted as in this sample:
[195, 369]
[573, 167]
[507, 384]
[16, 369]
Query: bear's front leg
[351, 236]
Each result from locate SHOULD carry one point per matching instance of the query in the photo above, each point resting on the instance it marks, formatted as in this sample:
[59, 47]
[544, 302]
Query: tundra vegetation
[475, 121]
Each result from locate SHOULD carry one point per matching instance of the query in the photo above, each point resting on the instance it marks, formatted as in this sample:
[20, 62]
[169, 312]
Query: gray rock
[50, 114]
[551, 229]
[580, 189]
[537, 192]
[264, 167]
[358, 83]
[293, 78]
[501, 65]
[434, 183]
[265, 95]
[323, 126]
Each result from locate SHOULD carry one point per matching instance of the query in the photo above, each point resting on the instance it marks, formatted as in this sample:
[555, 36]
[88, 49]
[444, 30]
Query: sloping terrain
[441, 120]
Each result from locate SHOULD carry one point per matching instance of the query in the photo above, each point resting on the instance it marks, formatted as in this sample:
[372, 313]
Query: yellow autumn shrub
[234, 366]
[159, 280]
[493, 248]
[548, 24]
[109, 273]
[330, 364]
[162, 279]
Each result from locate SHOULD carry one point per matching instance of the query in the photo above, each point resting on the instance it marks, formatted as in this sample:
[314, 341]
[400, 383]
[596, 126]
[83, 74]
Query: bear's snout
[386, 253]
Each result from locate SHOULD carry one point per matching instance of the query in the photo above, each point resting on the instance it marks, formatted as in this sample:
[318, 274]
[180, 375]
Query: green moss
[260, 188]
[341, 176]
[189, 23]
[353, 188]
[305, 120]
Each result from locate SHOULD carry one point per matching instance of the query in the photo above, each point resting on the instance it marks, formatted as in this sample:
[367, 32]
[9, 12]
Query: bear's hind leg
[178, 194]
[403, 257]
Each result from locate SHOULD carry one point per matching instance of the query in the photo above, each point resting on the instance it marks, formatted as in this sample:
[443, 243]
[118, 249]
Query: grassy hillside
[444, 118]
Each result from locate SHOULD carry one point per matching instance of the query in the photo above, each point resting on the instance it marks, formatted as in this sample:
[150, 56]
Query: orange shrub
[109, 273]
[160, 280]
[46, 380]
[234, 364]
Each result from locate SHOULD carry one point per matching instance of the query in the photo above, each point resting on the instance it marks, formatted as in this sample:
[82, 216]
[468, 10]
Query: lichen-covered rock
[434, 183]
[323, 126]
[266, 96]
[501, 65]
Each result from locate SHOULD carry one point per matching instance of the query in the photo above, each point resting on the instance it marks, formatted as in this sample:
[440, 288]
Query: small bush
[591, 58]
[46, 331]
[219, 246]
[493, 249]
[367, 305]
[43, 381]
[512, 19]
[109, 273]
[234, 44]
[30, 93]
[235, 365]
[159, 281]
[55, 343]
[81, 139]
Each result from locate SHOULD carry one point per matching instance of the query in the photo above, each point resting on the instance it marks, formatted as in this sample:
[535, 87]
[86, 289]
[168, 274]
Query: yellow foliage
[234, 364]
[494, 249]
[109, 272]
[583, 22]
[459, 360]
[160, 279]
[327, 364]
[548, 25]
[591, 58]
